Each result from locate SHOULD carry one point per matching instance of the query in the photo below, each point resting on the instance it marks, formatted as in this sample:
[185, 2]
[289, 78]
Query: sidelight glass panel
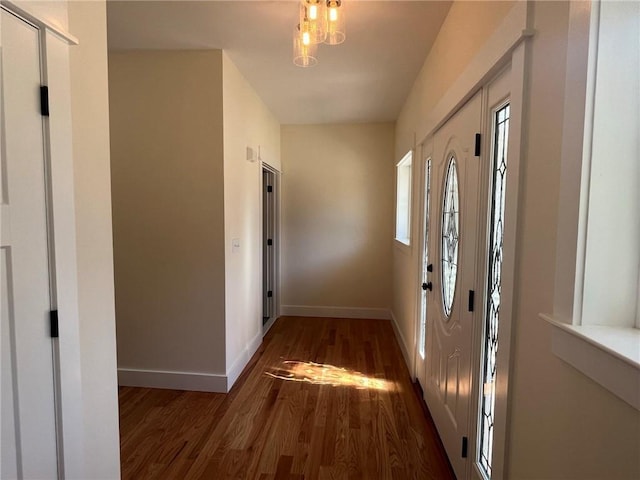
[425, 260]
[494, 271]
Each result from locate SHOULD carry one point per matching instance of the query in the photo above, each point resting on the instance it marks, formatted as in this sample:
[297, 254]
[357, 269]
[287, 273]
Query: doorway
[270, 246]
[465, 306]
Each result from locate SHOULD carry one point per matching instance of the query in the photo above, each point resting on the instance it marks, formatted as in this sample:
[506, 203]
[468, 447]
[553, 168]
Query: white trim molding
[192, 381]
[335, 312]
[198, 382]
[241, 361]
[402, 342]
[25, 12]
[609, 356]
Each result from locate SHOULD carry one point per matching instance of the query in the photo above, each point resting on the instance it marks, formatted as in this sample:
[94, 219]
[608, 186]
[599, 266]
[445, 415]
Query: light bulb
[313, 12]
[306, 38]
[333, 14]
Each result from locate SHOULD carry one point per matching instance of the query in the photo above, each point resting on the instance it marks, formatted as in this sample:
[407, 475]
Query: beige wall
[247, 123]
[168, 217]
[562, 425]
[90, 114]
[337, 215]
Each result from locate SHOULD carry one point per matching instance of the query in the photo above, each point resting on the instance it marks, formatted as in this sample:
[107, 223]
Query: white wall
[337, 215]
[562, 424]
[247, 123]
[90, 114]
[168, 217]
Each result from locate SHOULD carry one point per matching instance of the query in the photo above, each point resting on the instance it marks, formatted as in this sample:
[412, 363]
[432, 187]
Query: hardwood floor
[321, 399]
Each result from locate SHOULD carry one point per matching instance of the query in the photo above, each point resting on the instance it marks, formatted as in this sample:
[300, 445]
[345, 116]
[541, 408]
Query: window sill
[608, 355]
[403, 241]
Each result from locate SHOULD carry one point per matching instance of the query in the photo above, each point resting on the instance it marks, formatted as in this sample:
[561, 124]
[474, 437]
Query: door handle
[427, 286]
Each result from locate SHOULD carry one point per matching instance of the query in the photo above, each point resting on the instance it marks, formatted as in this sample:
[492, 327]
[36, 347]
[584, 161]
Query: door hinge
[269, 294]
[269, 189]
[472, 300]
[53, 320]
[478, 142]
[270, 241]
[465, 442]
[44, 100]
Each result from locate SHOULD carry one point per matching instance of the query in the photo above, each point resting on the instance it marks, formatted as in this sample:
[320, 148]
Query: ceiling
[365, 79]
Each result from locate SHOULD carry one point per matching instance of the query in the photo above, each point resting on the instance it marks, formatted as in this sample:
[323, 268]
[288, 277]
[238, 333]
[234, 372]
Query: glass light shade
[313, 13]
[304, 51]
[336, 32]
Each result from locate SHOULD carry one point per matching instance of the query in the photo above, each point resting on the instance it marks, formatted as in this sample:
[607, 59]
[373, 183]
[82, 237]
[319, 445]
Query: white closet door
[28, 446]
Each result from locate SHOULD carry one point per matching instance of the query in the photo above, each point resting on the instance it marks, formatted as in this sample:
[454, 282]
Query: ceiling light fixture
[335, 23]
[313, 13]
[321, 21]
[304, 51]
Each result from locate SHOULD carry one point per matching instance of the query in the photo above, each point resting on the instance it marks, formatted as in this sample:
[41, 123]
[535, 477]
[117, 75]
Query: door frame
[276, 241]
[508, 45]
[59, 173]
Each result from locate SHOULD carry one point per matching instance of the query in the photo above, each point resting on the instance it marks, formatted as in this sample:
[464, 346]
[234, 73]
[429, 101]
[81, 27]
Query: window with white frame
[403, 199]
[612, 191]
[597, 305]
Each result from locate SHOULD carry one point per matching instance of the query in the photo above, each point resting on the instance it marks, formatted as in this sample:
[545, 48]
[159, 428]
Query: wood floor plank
[321, 398]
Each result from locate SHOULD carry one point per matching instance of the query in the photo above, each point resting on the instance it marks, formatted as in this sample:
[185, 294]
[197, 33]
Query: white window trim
[405, 162]
[609, 355]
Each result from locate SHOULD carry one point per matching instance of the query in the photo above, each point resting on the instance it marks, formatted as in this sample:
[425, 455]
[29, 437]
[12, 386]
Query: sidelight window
[492, 312]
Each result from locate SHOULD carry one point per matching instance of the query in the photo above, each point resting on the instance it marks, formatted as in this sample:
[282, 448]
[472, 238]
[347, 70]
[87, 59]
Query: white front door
[453, 250]
[28, 443]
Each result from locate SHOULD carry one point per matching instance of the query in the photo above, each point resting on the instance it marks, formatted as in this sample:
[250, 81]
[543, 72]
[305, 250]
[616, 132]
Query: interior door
[456, 181]
[268, 245]
[28, 446]
[426, 269]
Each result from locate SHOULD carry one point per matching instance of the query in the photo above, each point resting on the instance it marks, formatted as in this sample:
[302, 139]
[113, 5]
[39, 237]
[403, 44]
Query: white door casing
[28, 405]
[449, 385]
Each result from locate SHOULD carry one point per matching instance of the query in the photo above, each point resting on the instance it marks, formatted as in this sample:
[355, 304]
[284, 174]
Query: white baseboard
[402, 342]
[241, 360]
[335, 312]
[199, 382]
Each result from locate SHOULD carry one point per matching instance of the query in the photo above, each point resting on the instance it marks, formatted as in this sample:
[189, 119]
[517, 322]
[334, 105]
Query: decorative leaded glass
[490, 350]
[450, 236]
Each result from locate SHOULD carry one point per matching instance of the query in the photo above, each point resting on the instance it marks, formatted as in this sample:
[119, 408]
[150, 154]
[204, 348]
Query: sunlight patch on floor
[325, 374]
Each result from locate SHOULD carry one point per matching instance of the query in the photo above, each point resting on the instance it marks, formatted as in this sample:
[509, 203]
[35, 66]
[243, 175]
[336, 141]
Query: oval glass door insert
[450, 236]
